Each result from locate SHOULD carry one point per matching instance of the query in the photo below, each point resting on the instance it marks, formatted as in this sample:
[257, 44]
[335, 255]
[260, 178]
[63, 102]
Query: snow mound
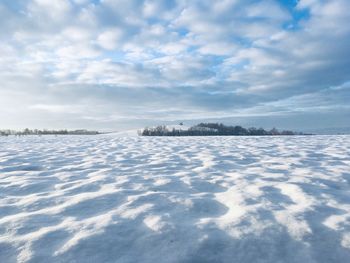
[127, 133]
[164, 199]
[178, 127]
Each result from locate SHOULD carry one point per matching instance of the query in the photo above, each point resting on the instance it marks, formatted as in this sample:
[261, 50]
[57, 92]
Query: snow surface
[163, 199]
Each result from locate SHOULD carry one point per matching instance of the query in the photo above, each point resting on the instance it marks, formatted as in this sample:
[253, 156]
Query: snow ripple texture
[193, 199]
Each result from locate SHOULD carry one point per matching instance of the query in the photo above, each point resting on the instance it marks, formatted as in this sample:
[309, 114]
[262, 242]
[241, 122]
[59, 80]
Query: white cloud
[267, 9]
[219, 48]
[110, 39]
[49, 10]
[212, 54]
[52, 108]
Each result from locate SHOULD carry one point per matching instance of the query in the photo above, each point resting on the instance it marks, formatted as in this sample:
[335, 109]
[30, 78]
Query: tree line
[46, 132]
[214, 129]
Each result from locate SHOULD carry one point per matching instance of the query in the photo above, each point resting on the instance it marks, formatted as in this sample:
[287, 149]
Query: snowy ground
[149, 199]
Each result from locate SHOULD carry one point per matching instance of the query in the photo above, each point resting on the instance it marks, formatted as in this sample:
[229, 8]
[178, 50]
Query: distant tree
[274, 131]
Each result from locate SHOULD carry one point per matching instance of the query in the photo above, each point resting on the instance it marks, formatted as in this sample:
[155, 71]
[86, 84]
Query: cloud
[102, 62]
[52, 108]
[109, 39]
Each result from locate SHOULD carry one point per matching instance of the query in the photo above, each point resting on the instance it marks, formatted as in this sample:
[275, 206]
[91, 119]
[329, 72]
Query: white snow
[163, 199]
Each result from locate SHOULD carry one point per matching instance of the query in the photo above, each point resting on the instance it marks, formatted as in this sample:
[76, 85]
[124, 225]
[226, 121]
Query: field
[163, 199]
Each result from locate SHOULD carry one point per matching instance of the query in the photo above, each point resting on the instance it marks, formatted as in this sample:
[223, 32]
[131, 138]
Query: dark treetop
[213, 129]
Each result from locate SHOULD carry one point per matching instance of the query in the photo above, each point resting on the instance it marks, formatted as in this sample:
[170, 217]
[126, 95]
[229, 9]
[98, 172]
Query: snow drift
[150, 199]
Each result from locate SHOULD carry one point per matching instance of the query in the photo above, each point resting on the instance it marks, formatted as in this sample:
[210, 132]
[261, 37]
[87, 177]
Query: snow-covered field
[148, 199]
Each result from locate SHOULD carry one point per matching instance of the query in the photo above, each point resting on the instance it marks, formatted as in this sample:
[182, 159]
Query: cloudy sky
[120, 64]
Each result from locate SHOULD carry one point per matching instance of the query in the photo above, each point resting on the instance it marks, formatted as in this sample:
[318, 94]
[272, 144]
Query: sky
[124, 64]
